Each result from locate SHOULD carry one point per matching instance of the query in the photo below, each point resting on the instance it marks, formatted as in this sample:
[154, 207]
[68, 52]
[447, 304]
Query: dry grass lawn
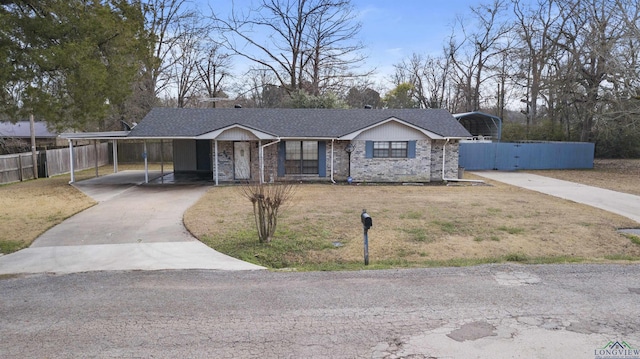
[28, 209]
[416, 225]
[617, 175]
[413, 225]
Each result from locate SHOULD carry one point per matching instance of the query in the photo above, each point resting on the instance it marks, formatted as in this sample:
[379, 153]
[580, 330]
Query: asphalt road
[491, 311]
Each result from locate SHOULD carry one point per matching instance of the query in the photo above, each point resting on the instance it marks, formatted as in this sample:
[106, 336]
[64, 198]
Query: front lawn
[413, 226]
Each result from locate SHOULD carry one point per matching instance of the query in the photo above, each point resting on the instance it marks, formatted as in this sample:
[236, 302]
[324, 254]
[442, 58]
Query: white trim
[261, 157]
[353, 135]
[215, 155]
[214, 134]
[94, 135]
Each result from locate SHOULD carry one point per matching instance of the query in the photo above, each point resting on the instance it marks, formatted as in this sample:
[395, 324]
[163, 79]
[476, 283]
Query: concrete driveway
[624, 204]
[132, 227]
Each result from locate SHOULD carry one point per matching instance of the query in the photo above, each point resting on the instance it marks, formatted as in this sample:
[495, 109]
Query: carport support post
[215, 156]
[115, 155]
[73, 177]
[261, 160]
[161, 160]
[95, 150]
[146, 163]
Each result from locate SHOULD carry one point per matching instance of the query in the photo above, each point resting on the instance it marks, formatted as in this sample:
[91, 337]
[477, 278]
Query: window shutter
[368, 150]
[281, 158]
[322, 159]
[411, 149]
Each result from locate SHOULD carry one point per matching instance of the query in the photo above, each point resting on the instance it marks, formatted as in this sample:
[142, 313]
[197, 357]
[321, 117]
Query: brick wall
[451, 162]
[391, 169]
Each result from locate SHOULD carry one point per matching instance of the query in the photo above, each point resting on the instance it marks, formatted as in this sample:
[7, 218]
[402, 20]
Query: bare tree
[538, 28]
[267, 200]
[474, 54]
[185, 57]
[212, 70]
[429, 76]
[169, 22]
[592, 45]
[305, 44]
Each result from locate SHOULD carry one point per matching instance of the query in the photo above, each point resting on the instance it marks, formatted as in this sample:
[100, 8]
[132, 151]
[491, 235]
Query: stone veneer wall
[226, 171]
[340, 161]
[427, 166]
[225, 161]
[451, 161]
[270, 163]
[416, 169]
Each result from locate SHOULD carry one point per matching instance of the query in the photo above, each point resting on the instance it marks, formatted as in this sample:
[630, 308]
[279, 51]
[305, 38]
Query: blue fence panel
[526, 156]
[473, 157]
[507, 157]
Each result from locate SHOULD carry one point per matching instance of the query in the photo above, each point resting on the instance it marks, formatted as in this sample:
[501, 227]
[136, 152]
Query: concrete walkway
[624, 204]
[131, 228]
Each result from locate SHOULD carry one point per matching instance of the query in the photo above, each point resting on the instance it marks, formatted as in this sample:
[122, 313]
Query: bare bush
[267, 199]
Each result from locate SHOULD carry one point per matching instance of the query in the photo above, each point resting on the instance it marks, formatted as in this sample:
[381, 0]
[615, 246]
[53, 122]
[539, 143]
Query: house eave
[94, 135]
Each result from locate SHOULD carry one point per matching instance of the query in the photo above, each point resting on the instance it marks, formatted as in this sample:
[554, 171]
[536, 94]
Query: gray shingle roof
[289, 123]
[22, 129]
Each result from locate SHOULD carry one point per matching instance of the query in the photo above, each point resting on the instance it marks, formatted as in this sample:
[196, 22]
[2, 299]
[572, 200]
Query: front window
[390, 149]
[301, 157]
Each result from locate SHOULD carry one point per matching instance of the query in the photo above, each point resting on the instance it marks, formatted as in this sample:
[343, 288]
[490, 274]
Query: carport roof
[290, 123]
[481, 124]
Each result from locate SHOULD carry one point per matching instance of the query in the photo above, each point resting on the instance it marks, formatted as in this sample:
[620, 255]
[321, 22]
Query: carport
[113, 137]
[482, 126]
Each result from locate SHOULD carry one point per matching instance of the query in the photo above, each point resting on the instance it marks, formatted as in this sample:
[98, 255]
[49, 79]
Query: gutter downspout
[332, 156]
[444, 156]
[261, 155]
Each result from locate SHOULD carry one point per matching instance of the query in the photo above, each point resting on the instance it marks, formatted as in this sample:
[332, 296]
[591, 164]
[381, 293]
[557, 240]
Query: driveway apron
[137, 228]
[624, 204]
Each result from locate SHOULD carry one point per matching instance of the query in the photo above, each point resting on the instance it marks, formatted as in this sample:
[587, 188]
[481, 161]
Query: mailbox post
[367, 223]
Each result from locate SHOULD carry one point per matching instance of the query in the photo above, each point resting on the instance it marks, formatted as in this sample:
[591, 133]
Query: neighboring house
[17, 136]
[406, 145]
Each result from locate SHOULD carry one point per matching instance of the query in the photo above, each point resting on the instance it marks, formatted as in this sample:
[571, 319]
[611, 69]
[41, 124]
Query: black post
[367, 223]
[366, 247]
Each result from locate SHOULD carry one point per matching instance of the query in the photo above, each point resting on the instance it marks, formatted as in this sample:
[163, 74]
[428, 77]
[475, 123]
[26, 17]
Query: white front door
[242, 160]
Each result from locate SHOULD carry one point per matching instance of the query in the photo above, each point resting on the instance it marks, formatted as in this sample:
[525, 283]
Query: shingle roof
[22, 129]
[289, 123]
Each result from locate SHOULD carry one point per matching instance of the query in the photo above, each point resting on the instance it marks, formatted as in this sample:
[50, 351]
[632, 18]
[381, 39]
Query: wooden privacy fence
[16, 167]
[131, 152]
[19, 167]
[507, 156]
[84, 157]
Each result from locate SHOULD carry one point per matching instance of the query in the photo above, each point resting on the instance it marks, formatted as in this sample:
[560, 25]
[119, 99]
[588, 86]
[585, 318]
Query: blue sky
[391, 30]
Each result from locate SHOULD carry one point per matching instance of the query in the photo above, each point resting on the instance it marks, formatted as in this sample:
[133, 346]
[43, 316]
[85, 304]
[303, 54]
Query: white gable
[235, 133]
[391, 131]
